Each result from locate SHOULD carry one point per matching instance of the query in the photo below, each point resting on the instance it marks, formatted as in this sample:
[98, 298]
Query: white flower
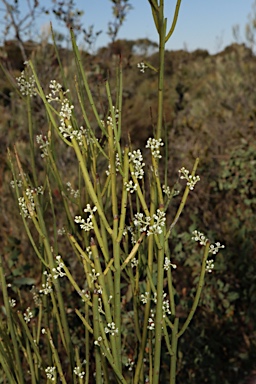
[144, 297]
[168, 264]
[209, 265]
[50, 373]
[191, 180]
[94, 275]
[151, 322]
[200, 237]
[56, 88]
[140, 222]
[58, 272]
[27, 205]
[159, 222]
[109, 118]
[47, 287]
[86, 225]
[134, 262]
[78, 372]
[130, 363]
[154, 145]
[74, 193]
[166, 306]
[97, 342]
[12, 302]
[111, 328]
[43, 144]
[130, 187]
[27, 85]
[142, 66]
[214, 249]
[166, 190]
[136, 158]
[28, 315]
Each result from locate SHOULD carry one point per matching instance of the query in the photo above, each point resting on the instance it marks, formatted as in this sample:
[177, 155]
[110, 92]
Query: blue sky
[205, 24]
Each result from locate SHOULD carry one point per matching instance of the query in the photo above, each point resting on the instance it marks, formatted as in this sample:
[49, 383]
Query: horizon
[196, 26]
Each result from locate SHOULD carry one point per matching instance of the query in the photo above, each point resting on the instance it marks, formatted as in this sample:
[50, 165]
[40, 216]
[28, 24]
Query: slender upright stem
[174, 350]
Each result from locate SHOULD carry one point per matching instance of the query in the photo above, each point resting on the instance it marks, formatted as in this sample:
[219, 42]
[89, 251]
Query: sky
[204, 24]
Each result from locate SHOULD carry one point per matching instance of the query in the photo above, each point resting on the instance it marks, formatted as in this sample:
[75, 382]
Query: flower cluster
[167, 191]
[61, 231]
[151, 322]
[98, 341]
[12, 302]
[58, 271]
[55, 88]
[144, 224]
[200, 237]
[26, 84]
[28, 205]
[111, 329]
[168, 264]
[144, 297]
[19, 183]
[136, 158]
[154, 145]
[50, 373]
[109, 118]
[65, 112]
[74, 193]
[117, 164]
[78, 372]
[191, 180]
[43, 144]
[209, 265]
[166, 305]
[214, 248]
[159, 222]
[65, 116]
[130, 364]
[142, 66]
[100, 306]
[36, 296]
[94, 276]
[47, 286]
[130, 186]
[140, 222]
[86, 225]
[134, 262]
[27, 315]
[130, 229]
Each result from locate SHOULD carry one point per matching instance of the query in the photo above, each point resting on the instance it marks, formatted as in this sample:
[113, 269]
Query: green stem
[96, 335]
[56, 357]
[162, 30]
[183, 202]
[174, 350]
[89, 186]
[31, 140]
[198, 292]
[159, 311]
[80, 66]
[18, 366]
[175, 18]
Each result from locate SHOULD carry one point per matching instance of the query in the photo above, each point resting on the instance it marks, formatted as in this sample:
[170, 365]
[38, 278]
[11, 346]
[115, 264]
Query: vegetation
[208, 113]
